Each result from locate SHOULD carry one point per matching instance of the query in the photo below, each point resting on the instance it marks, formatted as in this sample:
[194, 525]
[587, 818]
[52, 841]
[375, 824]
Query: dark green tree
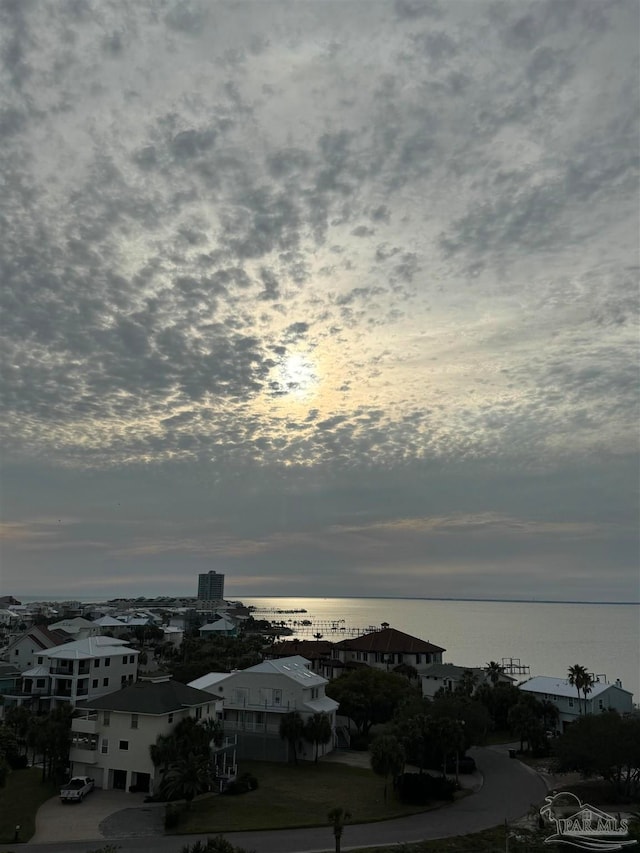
[369, 696]
[605, 745]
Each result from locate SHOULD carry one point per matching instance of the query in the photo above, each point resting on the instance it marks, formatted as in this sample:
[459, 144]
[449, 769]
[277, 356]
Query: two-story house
[256, 699]
[80, 670]
[602, 697]
[112, 735]
[25, 649]
[387, 649]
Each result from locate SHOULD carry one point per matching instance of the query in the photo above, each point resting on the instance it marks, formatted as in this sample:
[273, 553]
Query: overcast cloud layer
[337, 298]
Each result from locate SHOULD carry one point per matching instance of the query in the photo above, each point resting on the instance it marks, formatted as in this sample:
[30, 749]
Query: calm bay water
[549, 638]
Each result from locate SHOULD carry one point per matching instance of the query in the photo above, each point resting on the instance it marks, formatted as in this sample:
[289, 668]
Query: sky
[336, 298]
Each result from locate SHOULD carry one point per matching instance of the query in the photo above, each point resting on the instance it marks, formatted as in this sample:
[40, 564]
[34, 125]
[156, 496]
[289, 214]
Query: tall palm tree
[292, 730]
[318, 730]
[587, 684]
[578, 677]
[387, 758]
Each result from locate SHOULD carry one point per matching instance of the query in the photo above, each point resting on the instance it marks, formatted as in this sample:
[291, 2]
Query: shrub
[414, 788]
[418, 789]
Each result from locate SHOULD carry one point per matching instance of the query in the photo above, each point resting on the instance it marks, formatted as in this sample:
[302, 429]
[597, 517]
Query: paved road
[509, 790]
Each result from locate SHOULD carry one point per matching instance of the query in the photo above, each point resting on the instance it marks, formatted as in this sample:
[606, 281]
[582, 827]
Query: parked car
[76, 789]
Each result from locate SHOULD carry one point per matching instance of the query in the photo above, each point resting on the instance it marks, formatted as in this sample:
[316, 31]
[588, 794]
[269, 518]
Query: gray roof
[147, 697]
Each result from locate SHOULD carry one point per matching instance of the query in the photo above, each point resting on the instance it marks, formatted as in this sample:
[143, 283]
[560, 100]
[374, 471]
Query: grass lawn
[20, 799]
[293, 796]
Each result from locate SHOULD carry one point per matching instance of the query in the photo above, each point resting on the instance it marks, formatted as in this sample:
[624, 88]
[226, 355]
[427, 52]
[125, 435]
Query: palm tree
[292, 730]
[493, 671]
[318, 730]
[582, 681]
[387, 757]
[337, 818]
[587, 684]
[189, 776]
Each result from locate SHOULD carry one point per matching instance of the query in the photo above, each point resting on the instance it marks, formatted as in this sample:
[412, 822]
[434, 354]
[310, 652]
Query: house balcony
[252, 726]
[282, 708]
[85, 725]
[83, 756]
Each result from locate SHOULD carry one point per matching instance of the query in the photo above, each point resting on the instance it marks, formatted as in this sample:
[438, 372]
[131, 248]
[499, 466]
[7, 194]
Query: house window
[124, 745]
[96, 663]
[123, 680]
[107, 661]
[105, 682]
[277, 697]
[418, 658]
[40, 659]
[600, 704]
[170, 718]
[106, 718]
[134, 721]
[94, 683]
[104, 746]
[40, 683]
[314, 692]
[198, 713]
[571, 703]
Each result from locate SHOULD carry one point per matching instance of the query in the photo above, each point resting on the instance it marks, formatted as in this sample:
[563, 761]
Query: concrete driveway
[93, 818]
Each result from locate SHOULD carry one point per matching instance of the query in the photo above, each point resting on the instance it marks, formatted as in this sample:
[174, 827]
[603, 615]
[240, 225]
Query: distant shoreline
[102, 599]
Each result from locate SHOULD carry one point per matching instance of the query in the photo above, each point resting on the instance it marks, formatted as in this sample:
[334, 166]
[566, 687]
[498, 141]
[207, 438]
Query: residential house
[72, 672]
[110, 625]
[78, 627]
[387, 649]
[223, 627]
[9, 680]
[448, 676]
[26, 648]
[112, 735]
[319, 653]
[256, 699]
[602, 697]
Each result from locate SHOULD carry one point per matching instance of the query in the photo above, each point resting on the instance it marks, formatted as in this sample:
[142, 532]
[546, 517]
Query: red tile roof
[310, 649]
[389, 640]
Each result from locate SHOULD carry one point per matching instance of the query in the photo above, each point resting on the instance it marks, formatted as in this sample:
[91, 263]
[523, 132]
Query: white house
[78, 627]
[110, 739]
[110, 625]
[80, 670]
[602, 697]
[23, 652]
[256, 699]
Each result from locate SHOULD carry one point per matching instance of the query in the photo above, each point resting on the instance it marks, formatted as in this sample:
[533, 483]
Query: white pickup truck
[76, 788]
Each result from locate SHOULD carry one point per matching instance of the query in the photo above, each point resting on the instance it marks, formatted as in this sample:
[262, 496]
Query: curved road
[509, 789]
